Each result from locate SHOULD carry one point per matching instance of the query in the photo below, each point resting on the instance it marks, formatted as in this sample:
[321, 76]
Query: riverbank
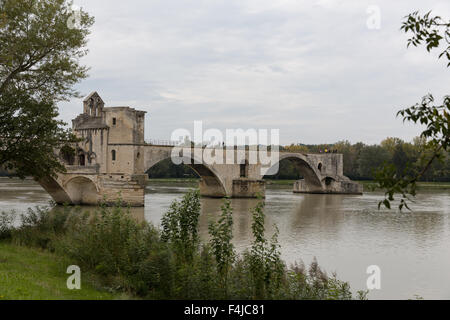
[370, 183]
[33, 274]
[420, 185]
[365, 183]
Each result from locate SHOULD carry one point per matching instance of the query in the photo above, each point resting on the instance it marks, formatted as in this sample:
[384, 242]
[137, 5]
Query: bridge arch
[211, 184]
[82, 190]
[311, 172]
[55, 189]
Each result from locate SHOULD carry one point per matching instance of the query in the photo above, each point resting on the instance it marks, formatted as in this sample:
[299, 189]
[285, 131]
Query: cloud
[310, 68]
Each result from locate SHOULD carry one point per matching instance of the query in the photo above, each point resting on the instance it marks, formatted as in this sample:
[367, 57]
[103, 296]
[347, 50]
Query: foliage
[398, 178]
[431, 30]
[298, 148]
[135, 258]
[221, 233]
[29, 135]
[167, 169]
[39, 64]
[6, 224]
[68, 153]
[40, 227]
[371, 157]
[266, 268]
[39, 52]
[180, 225]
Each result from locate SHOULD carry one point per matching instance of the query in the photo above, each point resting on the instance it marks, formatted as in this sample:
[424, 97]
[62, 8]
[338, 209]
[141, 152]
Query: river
[346, 233]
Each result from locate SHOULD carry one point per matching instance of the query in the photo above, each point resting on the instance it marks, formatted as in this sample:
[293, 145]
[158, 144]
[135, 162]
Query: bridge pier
[130, 189]
[329, 186]
[248, 188]
[209, 187]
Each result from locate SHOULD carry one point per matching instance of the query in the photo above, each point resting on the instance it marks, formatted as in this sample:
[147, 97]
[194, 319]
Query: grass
[33, 274]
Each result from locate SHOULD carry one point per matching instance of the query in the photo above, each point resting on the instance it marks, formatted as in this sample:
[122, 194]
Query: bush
[112, 244]
[6, 224]
[40, 227]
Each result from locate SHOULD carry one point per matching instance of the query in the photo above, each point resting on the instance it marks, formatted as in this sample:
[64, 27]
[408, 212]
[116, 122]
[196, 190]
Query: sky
[320, 71]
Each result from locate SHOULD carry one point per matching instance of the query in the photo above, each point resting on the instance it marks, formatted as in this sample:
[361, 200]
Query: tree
[29, 135]
[431, 31]
[390, 144]
[351, 155]
[371, 157]
[399, 158]
[40, 51]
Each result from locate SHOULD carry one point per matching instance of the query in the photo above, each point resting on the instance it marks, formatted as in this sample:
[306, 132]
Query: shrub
[6, 224]
[221, 233]
[180, 226]
[41, 226]
[112, 244]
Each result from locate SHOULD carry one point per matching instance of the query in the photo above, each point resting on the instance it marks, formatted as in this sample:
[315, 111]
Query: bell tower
[93, 105]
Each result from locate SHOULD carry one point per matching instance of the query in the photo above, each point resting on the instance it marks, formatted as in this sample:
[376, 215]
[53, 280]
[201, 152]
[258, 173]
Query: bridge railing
[164, 143]
[171, 143]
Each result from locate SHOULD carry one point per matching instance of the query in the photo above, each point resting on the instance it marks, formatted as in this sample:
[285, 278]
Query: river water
[346, 233]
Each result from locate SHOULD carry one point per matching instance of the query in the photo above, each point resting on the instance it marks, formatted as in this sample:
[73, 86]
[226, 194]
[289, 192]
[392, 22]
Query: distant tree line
[360, 160]
[167, 169]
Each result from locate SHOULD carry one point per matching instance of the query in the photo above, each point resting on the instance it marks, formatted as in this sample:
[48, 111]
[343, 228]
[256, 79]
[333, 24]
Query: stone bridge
[112, 159]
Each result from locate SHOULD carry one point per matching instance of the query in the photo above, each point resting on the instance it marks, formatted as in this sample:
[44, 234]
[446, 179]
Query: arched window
[91, 107]
[82, 159]
[244, 169]
[320, 167]
[113, 155]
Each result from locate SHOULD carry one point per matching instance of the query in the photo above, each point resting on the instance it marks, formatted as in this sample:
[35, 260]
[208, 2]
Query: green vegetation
[167, 169]
[39, 64]
[34, 274]
[401, 177]
[127, 257]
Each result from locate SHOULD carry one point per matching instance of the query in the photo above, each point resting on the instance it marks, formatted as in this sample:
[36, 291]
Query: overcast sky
[312, 69]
